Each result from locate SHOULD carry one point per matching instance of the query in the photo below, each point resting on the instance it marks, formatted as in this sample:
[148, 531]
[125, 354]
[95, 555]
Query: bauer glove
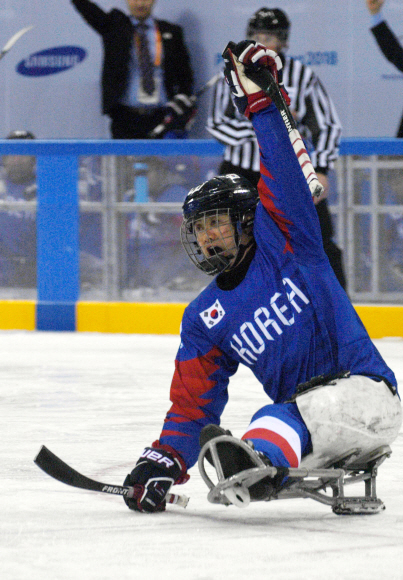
[158, 468]
[248, 54]
[179, 116]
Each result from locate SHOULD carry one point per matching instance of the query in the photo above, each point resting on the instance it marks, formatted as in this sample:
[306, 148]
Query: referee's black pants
[134, 123]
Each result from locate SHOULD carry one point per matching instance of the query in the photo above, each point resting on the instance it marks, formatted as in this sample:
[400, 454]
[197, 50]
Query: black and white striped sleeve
[314, 111]
[224, 122]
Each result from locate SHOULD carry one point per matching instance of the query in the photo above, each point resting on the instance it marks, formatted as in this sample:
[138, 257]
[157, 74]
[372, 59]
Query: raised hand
[248, 97]
[374, 6]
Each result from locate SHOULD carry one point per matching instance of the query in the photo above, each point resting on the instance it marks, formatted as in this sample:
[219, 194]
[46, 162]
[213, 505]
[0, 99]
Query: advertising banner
[50, 78]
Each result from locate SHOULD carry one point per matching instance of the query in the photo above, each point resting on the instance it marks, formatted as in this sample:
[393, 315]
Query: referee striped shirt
[311, 106]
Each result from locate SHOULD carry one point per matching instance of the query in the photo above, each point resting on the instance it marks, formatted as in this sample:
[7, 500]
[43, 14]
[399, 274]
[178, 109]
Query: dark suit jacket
[389, 44]
[117, 33]
[391, 49]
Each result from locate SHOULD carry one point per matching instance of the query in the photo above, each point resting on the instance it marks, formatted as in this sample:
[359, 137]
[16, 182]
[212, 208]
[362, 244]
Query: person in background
[386, 40]
[390, 185]
[18, 225]
[147, 78]
[312, 108]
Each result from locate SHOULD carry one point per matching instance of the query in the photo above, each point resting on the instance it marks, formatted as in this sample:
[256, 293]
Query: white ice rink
[96, 401]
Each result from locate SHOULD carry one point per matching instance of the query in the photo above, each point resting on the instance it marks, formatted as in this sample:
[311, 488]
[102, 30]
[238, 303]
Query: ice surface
[96, 400]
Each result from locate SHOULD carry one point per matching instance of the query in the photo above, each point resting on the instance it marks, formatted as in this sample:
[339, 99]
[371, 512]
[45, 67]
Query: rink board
[149, 318]
[17, 315]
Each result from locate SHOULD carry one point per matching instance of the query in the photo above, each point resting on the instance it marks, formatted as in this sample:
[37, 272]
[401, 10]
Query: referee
[312, 108]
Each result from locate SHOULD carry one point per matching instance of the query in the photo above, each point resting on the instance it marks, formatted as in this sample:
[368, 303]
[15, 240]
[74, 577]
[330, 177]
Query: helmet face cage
[215, 214]
[219, 253]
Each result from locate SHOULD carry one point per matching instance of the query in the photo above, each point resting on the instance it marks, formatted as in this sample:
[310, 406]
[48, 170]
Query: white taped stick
[180, 500]
[297, 143]
[174, 498]
[264, 79]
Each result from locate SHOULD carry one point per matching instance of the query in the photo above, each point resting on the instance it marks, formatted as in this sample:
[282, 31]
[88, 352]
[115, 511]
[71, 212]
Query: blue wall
[58, 207]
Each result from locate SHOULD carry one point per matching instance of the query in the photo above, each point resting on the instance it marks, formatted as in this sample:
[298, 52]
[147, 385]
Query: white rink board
[96, 400]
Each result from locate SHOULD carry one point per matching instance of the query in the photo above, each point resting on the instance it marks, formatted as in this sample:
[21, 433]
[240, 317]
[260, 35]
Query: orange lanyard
[158, 46]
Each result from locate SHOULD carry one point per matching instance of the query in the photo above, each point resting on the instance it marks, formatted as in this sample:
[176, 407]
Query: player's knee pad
[354, 412]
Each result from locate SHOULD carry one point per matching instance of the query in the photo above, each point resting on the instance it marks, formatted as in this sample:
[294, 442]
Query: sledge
[325, 484]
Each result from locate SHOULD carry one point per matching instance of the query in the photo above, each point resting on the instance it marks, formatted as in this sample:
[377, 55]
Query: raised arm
[285, 166]
[389, 44]
[93, 14]
[387, 41]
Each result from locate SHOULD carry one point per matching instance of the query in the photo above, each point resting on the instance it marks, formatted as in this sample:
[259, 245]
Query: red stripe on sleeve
[267, 198]
[173, 434]
[190, 383]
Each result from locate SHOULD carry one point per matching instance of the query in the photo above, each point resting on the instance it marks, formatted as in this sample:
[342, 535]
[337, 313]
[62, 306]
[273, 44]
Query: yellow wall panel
[152, 318]
[156, 318]
[382, 321]
[136, 318]
[17, 314]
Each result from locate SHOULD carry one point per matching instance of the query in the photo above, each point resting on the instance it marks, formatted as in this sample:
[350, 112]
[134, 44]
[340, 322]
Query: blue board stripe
[56, 316]
[58, 263]
[57, 229]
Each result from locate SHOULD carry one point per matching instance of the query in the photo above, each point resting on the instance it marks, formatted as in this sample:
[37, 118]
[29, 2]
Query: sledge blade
[350, 506]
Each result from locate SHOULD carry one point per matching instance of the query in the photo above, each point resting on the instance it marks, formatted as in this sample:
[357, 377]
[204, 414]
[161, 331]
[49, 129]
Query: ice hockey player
[275, 306]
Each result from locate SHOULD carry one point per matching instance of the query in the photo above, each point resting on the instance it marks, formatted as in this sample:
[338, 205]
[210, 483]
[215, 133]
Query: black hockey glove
[179, 116]
[248, 97]
[156, 471]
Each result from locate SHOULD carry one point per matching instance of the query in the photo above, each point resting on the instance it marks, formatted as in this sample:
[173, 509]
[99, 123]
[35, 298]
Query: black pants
[400, 130]
[129, 123]
[333, 252]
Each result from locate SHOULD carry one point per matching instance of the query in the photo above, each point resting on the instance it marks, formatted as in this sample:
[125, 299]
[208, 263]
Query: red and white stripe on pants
[278, 433]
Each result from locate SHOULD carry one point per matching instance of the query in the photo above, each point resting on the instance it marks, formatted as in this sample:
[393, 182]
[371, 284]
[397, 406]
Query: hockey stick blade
[58, 469]
[265, 80]
[10, 43]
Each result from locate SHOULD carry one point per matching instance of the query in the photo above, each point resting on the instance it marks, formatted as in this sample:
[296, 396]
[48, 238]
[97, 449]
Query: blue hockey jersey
[288, 320]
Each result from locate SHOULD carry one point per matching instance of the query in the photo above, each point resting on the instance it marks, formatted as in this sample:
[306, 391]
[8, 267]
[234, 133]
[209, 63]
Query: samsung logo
[51, 61]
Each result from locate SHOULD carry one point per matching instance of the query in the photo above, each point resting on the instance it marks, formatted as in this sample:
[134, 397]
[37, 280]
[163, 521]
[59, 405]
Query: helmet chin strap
[239, 256]
[217, 263]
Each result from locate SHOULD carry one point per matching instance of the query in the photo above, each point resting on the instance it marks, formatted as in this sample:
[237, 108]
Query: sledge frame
[349, 469]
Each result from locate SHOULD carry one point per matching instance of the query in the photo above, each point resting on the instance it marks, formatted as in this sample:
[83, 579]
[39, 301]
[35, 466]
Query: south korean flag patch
[212, 315]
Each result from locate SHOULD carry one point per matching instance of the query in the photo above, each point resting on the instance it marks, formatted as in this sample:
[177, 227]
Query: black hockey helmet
[20, 134]
[272, 20]
[230, 195]
[20, 169]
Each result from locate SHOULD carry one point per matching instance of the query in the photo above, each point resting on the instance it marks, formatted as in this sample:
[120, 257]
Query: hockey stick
[10, 43]
[265, 80]
[164, 126]
[56, 468]
[208, 84]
